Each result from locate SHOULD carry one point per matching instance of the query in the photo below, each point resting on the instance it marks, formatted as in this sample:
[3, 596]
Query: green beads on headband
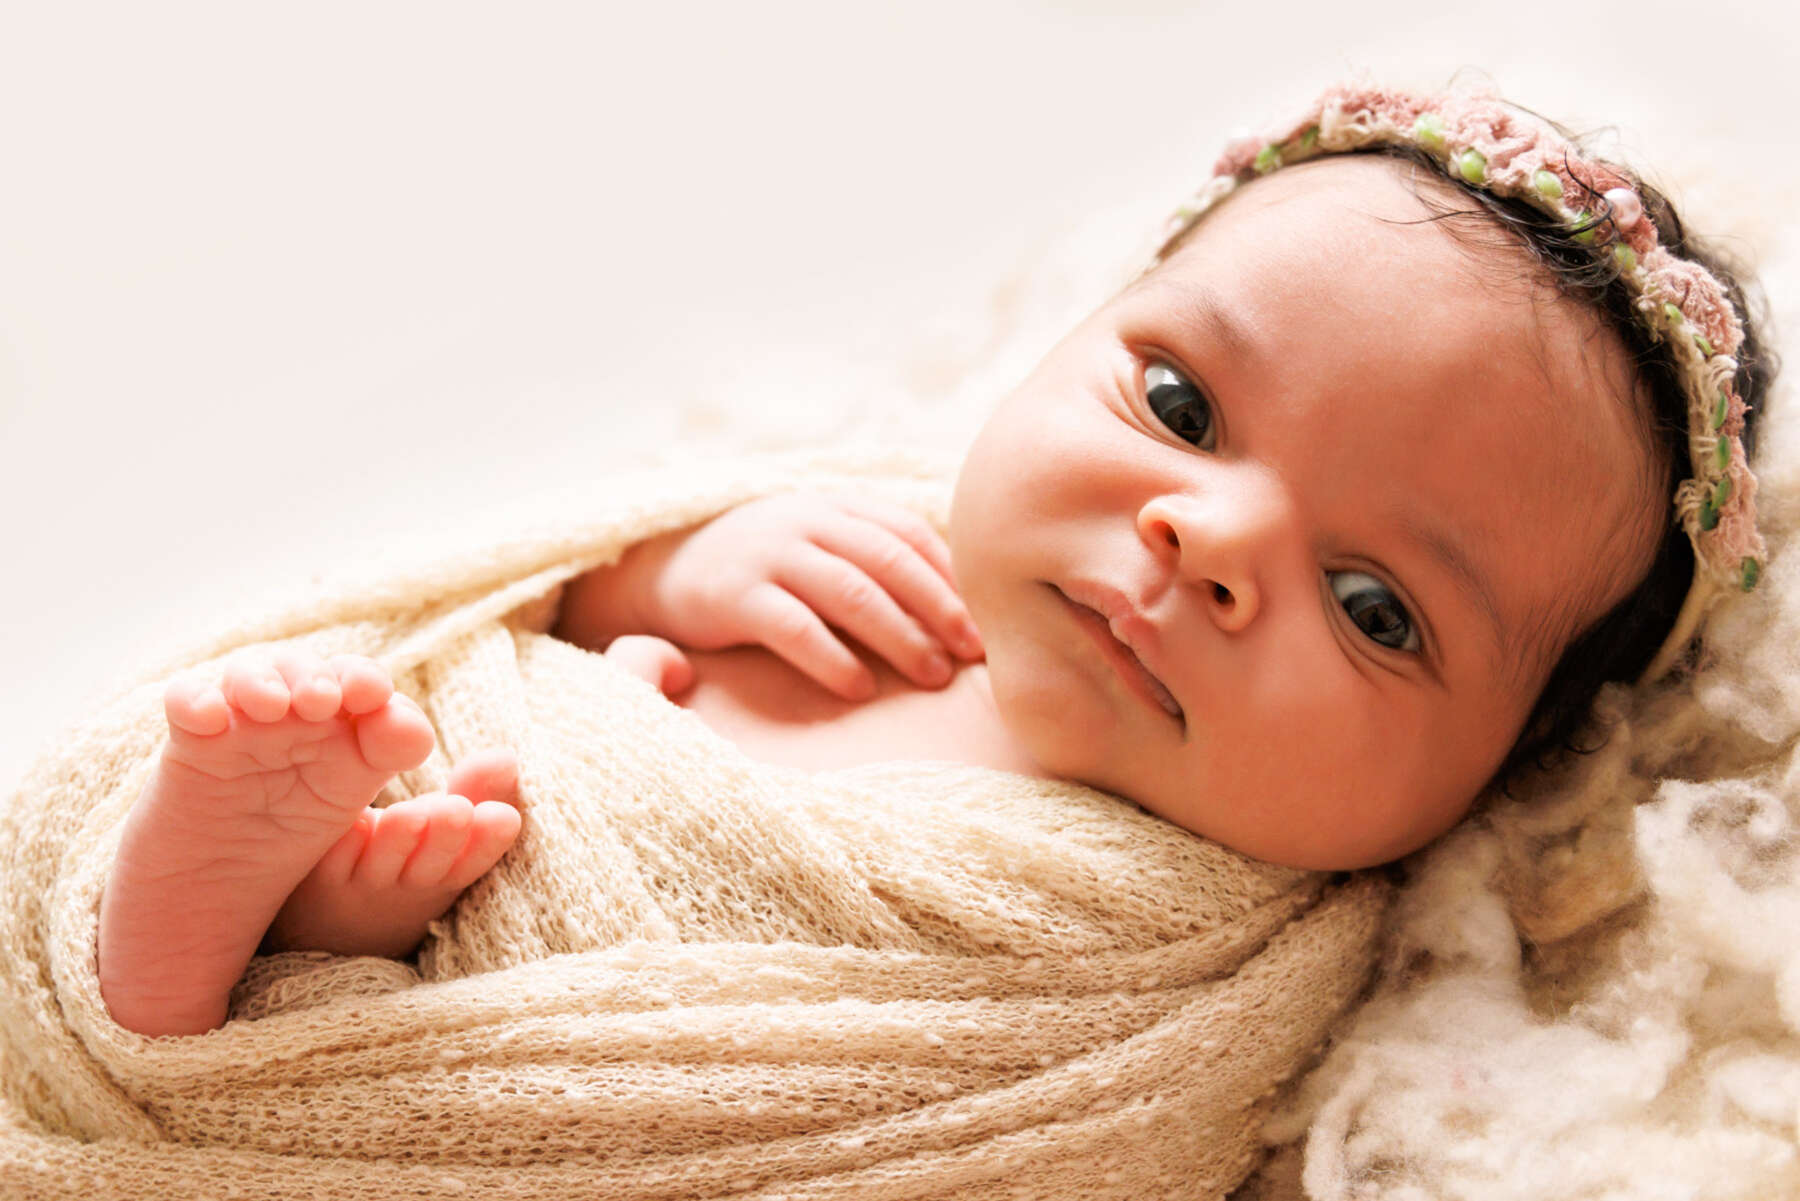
[1701, 343]
[1749, 571]
[1269, 157]
[1722, 456]
[1428, 131]
[1625, 258]
[1547, 185]
[1720, 409]
[1709, 508]
[1472, 165]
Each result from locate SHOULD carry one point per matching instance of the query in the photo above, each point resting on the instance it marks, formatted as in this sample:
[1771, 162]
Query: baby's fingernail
[968, 639]
[937, 668]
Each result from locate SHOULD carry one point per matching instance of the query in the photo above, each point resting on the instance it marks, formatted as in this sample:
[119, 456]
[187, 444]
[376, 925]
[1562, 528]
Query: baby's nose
[1220, 546]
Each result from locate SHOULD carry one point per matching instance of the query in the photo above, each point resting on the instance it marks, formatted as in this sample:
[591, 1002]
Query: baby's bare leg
[263, 774]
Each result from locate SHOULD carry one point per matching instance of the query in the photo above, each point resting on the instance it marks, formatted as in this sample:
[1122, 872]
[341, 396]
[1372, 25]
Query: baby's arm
[787, 572]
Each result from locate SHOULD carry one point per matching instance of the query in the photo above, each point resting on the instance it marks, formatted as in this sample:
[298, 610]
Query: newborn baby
[1297, 542]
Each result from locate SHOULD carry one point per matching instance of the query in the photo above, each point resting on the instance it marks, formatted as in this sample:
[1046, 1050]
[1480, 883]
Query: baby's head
[1374, 474]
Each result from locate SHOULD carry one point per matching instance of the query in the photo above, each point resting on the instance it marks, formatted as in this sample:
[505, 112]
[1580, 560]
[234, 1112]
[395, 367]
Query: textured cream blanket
[696, 975]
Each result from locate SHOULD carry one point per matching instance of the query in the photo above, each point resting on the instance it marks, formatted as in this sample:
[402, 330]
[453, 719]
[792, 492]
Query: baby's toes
[339, 863]
[395, 834]
[396, 737]
[312, 686]
[255, 688]
[446, 833]
[364, 683]
[193, 704]
[494, 826]
[484, 775]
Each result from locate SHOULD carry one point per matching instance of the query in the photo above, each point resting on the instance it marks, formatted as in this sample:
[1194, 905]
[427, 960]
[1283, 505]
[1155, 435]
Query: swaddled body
[695, 973]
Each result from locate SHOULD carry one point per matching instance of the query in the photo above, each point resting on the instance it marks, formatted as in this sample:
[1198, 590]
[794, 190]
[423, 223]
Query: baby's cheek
[1414, 782]
[1337, 781]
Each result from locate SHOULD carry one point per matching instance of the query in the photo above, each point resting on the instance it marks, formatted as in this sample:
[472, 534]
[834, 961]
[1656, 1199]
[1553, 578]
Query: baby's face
[1346, 502]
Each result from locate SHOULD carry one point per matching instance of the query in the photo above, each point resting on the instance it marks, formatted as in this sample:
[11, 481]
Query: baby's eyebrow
[1443, 544]
[1199, 307]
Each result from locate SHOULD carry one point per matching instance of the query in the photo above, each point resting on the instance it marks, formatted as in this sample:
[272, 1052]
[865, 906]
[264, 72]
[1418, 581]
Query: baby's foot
[398, 869]
[262, 774]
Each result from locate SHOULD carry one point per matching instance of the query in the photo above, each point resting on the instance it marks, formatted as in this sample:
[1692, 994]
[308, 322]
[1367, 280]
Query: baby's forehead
[1340, 204]
[1370, 243]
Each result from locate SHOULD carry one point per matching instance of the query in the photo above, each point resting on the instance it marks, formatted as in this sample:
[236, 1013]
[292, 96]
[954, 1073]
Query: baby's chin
[1013, 698]
[1044, 720]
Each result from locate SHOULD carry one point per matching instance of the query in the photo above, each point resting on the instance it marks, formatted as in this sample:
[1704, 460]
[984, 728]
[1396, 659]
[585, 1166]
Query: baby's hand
[781, 570]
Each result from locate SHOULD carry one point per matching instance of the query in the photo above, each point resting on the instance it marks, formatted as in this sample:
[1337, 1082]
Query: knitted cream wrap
[695, 975]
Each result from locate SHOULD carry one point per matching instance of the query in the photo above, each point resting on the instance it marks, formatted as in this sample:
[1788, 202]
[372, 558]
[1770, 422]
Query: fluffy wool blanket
[695, 975]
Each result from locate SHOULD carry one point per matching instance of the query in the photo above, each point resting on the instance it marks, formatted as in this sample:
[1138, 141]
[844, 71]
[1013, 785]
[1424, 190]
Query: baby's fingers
[788, 626]
[919, 583]
[905, 524]
[654, 660]
[842, 594]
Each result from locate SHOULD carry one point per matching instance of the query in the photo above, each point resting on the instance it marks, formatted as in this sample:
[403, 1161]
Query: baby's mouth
[1163, 696]
[1124, 659]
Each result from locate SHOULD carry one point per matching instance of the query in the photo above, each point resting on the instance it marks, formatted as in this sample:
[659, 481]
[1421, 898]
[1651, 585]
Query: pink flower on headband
[1691, 288]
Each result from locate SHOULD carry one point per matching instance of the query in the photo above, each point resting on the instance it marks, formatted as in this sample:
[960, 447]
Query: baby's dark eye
[1179, 405]
[1375, 610]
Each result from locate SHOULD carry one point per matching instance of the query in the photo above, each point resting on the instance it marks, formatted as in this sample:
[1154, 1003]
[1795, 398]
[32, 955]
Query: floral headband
[1475, 138]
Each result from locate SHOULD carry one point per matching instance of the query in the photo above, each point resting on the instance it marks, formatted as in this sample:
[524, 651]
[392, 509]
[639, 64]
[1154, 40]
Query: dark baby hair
[1619, 645]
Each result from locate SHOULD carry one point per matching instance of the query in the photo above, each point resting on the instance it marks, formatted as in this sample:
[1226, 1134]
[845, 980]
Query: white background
[283, 283]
